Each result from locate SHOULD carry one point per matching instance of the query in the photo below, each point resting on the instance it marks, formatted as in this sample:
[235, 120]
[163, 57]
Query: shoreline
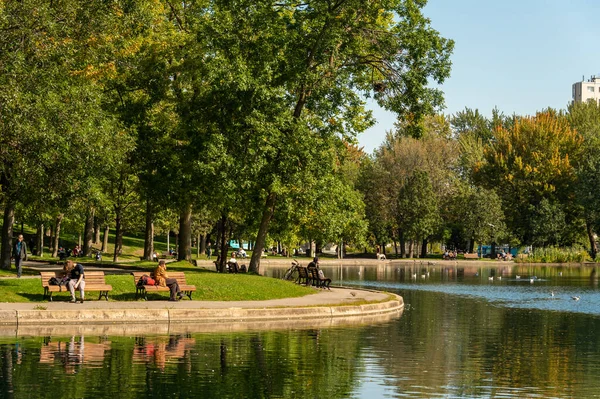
[323, 305]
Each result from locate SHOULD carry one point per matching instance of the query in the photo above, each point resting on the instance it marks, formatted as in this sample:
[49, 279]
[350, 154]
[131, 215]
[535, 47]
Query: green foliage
[418, 212]
[555, 255]
[529, 162]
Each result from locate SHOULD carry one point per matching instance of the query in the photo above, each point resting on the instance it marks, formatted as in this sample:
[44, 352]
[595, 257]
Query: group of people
[449, 255]
[504, 255]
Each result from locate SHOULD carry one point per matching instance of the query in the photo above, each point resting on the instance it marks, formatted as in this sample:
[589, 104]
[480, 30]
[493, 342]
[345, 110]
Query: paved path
[335, 297]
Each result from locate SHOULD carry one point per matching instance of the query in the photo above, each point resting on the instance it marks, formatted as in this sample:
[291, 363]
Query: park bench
[144, 289]
[166, 255]
[316, 280]
[471, 256]
[236, 268]
[303, 276]
[94, 281]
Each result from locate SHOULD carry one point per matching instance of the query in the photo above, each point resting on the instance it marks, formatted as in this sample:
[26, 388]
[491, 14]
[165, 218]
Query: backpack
[146, 280]
[53, 281]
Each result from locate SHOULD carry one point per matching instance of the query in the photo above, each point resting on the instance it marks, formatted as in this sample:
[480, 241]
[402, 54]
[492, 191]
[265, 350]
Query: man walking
[19, 254]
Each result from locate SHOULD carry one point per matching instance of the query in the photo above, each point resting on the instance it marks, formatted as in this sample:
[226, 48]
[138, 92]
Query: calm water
[461, 335]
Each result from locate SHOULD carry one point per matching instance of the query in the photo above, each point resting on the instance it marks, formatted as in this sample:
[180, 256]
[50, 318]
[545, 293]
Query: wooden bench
[236, 268]
[471, 256]
[144, 289]
[317, 281]
[303, 276]
[94, 281]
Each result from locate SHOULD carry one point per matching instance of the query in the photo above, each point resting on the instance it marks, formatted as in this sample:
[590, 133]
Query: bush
[556, 255]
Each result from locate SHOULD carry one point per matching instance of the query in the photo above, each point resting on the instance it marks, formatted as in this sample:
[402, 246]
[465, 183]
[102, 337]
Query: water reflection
[73, 354]
[461, 335]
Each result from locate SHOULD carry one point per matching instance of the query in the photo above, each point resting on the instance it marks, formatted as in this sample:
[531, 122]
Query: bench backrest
[92, 277]
[302, 272]
[179, 276]
[46, 276]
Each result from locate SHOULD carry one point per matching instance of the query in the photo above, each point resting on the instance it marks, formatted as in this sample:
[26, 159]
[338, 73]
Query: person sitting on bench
[162, 279]
[76, 279]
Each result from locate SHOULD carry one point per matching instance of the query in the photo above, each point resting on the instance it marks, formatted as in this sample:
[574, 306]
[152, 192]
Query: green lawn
[210, 286]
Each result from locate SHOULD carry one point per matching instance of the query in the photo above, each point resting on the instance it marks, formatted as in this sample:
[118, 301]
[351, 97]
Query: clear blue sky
[521, 56]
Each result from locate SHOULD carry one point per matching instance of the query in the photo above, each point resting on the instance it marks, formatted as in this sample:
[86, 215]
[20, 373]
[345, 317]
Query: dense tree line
[158, 116]
[520, 180]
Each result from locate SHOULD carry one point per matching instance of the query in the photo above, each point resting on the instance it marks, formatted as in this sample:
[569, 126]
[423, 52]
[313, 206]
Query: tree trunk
[168, 240]
[51, 243]
[105, 239]
[149, 233]
[424, 248]
[40, 240]
[411, 247]
[96, 231]
[262, 233]
[57, 235]
[88, 233]
[202, 245]
[222, 257]
[7, 234]
[402, 243]
[185, 234]
[198, 244]
[593, 245]
[118, 237]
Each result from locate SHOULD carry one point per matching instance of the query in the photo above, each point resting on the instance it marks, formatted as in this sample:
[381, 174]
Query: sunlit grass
[210, 286]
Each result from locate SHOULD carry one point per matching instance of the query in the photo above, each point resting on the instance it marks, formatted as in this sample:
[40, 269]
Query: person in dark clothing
[19, 254]
[314, 263]
[76, 279]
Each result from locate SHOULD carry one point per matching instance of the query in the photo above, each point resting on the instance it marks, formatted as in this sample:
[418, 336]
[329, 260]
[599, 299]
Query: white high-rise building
[583, 91]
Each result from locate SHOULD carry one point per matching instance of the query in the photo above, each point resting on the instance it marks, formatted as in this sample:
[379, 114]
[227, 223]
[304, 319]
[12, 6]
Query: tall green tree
[585, 119]
[529, 162]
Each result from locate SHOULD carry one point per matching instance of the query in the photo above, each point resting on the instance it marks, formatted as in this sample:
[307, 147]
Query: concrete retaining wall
[44, 317]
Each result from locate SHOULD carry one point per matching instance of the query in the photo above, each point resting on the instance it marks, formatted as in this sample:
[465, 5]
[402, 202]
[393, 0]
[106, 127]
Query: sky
[520, 56]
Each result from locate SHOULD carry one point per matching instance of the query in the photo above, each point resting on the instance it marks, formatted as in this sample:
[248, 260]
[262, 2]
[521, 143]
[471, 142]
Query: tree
[529, 162]
[52, 125]
[418, 212]
[585, 119]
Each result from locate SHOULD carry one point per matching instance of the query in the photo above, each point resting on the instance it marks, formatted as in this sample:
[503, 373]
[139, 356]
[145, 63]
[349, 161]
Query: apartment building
[583, 91]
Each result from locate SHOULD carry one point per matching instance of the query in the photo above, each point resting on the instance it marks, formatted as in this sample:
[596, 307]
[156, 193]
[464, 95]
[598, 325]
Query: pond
[462, 335]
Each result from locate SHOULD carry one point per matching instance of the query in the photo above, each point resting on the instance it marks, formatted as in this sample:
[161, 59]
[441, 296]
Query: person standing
[76, 279]
[19, 254]
[208, 250]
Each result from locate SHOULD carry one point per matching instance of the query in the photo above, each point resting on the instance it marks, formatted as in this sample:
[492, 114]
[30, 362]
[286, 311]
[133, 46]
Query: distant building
[583, 91]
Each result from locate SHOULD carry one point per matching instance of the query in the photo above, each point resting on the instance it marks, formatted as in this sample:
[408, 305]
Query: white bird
[414, 275]
[552, 294]
[531, 280]
[575, 298]
[560, 273]
[518, 277]
[423, 276]
[491, 278]
[499, 278]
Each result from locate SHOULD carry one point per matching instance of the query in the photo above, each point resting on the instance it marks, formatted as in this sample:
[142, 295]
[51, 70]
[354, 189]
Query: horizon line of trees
[517, 180]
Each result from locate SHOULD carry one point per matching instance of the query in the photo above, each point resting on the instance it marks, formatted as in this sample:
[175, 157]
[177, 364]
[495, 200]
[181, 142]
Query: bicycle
[289, 274]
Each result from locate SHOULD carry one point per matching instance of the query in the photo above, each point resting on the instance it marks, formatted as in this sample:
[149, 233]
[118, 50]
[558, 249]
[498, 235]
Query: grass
[210, 286]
